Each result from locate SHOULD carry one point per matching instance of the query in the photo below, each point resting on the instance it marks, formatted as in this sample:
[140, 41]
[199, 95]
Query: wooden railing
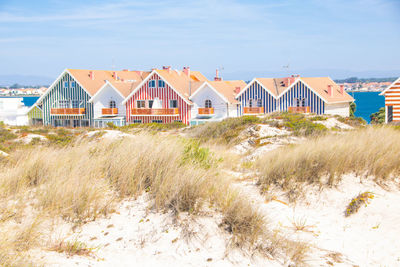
[299, 109]
[155, 111]
[253, 110]
[206, 111]
[67, 111]
[109, 111]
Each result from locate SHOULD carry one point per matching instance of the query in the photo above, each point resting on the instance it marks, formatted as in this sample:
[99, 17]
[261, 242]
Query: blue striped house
[319, 95]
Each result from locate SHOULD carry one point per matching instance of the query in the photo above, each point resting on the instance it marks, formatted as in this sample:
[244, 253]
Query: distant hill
[365, 80]
[25, 80]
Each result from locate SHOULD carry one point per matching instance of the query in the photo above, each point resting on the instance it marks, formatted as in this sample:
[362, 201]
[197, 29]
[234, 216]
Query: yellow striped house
[392, 102]
[35, 115]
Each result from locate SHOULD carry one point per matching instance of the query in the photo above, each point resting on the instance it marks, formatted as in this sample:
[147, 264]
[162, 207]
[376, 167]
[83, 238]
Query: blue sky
[245, 38]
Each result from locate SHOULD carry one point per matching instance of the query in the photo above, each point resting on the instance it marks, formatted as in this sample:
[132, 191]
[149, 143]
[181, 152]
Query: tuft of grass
[74, 247]
[323, 161]
[356, 203]
[226, 131]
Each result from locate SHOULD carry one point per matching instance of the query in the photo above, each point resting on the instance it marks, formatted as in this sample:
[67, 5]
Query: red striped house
[392, 102]
[163, 97]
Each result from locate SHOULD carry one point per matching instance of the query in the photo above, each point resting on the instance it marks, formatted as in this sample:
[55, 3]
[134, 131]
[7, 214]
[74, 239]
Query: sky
[337, 38]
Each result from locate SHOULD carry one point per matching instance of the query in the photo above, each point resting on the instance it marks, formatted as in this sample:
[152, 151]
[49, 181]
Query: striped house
[67, 101]
[163, 97]
[319, 95]
[392, 102]
[35, 115]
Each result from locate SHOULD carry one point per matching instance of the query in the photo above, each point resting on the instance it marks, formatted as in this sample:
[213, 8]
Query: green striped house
[35, 115]
[66, 103]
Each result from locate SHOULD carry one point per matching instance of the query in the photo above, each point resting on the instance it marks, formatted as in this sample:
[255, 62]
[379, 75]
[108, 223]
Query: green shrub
[226, 131]
[378, 117]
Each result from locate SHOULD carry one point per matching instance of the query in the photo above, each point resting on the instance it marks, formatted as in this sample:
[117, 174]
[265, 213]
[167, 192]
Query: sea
[367, 103]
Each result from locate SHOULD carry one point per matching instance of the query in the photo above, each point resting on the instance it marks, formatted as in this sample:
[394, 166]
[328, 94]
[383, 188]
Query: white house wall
[342, 109]
[102, 100]
[219, 105]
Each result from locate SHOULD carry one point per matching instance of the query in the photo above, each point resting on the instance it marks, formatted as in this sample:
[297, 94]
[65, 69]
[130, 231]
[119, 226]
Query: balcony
[206, 111]
[67, 111]
[299, 109]
[155, 112]
[253, 110]
[109, 111]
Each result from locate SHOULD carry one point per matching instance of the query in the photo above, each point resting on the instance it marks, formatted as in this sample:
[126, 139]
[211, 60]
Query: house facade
[215, 101]
[319, 95]
[35, 115]
[392, 102]
[88, 98]
[163, 97]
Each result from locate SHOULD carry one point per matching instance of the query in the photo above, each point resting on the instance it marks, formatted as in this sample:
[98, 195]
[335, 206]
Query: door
[390, 113]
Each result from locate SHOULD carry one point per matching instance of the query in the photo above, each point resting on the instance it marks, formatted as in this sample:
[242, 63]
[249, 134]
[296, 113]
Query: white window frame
[112, 104]
[173, 101]
[72, 84]
[141, 106]
[163, 84]
[65, 84]
[208, 103]
[152, 84]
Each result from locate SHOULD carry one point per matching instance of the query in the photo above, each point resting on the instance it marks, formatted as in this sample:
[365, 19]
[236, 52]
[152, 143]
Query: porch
[155, 112]
[253, 110]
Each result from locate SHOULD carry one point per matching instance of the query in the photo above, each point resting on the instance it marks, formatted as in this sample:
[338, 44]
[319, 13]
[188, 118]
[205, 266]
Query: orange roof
[229, 89]
[125, 82]
[182, 82]
[276, 86]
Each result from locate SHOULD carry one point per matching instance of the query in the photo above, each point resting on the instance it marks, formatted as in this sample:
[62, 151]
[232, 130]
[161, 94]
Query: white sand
[28, 138]
[137, 236]
[369, 237]
[334, 123]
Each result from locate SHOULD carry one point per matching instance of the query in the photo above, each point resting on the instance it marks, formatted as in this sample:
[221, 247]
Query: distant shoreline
[11, 96]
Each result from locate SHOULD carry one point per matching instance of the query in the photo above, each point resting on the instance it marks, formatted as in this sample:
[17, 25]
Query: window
[151, 103]
[296, 102]
[208, 103]
[112, 104]
[157, 121]
[76, 123]
[152, 84]
[67, 123]
[259, 103]
[63, 103]
[65, 85]
[251, 103]
[140, 104]
[161, 83]
[303, 102]
[72, 84]
[173, 103]
[137, 121]
[178, 121]
[75, 103]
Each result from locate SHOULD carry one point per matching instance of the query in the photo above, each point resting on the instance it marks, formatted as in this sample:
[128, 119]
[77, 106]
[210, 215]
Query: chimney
[91, 75]
[237, 90]
[167, 68]
[125, 70]
[342, 89]
[114, 75]
[217, 78]
[330, 90]
[186, 70]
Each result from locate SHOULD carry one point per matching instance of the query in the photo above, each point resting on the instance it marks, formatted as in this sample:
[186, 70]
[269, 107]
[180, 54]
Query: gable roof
[225, 89]
[228, 89]
[125, 82]
[182, 83]
[394, 85]
[278, 86]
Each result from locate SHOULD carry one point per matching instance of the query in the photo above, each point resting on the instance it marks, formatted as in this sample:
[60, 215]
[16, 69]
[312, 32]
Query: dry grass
[323, 161]
[83, 181]
[74, 247]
